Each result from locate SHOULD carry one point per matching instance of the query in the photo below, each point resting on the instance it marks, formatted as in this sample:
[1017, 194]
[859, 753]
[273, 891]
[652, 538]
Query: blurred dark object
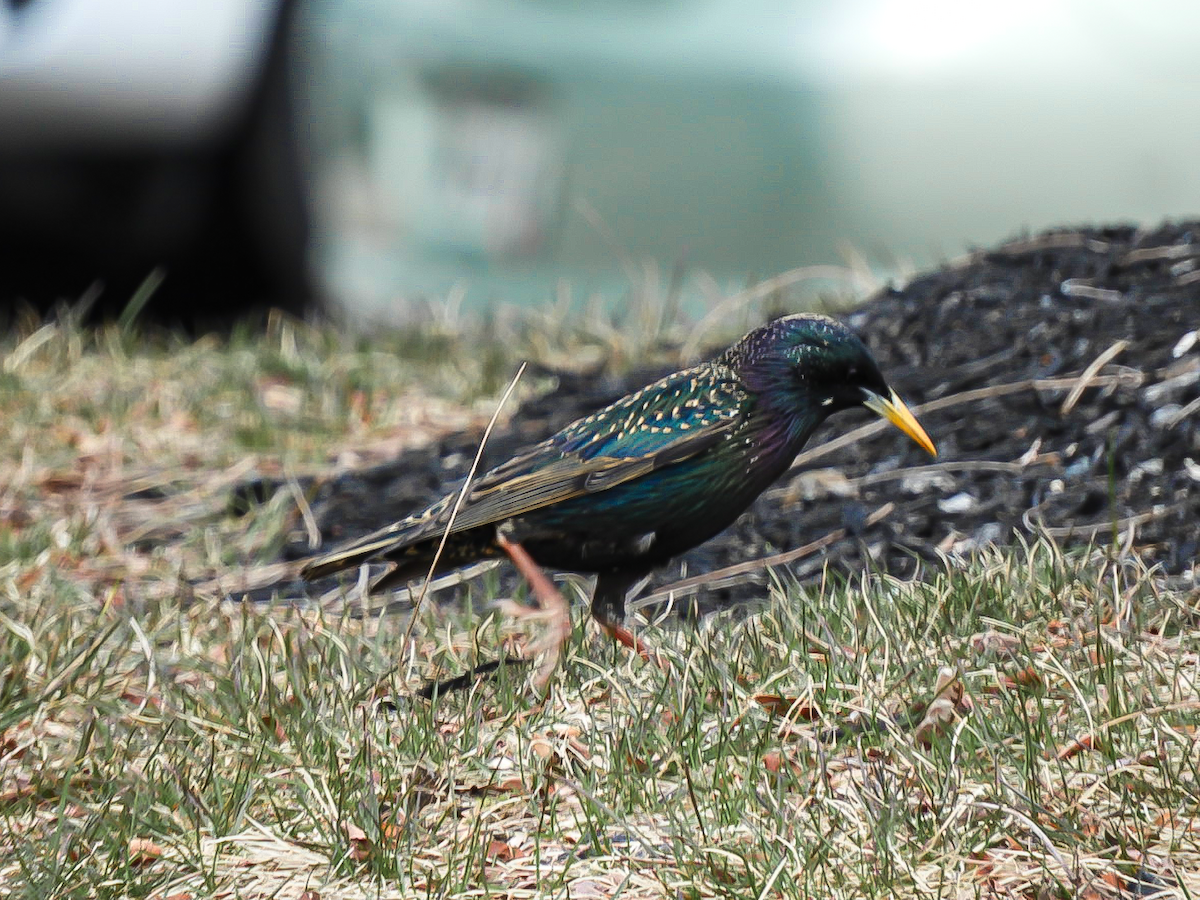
[175, 150]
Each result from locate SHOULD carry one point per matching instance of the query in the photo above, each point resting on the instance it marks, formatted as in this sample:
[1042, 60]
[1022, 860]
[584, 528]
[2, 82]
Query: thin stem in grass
[1035, 829]
[458, 501]
[691, 788]
[144, 293]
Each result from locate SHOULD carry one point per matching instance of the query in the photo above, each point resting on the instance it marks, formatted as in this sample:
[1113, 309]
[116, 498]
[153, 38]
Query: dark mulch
[1014, 329]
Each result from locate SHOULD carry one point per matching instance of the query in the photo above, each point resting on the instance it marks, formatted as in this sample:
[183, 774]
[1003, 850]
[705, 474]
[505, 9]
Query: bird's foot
[557, 633]
[552, 611]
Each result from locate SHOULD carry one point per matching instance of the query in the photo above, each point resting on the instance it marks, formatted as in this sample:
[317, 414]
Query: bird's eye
[852, 371]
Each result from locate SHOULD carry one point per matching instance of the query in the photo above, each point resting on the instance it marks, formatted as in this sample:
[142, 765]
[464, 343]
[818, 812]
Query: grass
[1018, 724]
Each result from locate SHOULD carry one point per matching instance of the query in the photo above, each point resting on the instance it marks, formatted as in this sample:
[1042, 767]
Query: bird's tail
[380, 543]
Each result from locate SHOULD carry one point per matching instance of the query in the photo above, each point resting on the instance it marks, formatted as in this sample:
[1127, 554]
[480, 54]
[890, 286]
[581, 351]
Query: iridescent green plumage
[652, 475]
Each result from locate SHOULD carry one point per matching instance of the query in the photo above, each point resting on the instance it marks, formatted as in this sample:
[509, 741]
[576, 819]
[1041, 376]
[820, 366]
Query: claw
[553, 612]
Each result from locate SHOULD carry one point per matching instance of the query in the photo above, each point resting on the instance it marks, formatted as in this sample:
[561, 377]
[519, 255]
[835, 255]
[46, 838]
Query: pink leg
[553, 610]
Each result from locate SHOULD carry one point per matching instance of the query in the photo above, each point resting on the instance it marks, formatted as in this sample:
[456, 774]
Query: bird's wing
[663, 424]
[667, 422]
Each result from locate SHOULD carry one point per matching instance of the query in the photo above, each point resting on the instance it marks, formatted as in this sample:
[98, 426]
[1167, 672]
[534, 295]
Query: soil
[1059, 376]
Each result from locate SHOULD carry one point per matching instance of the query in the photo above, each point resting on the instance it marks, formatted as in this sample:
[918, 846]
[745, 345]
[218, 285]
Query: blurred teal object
[495, 149]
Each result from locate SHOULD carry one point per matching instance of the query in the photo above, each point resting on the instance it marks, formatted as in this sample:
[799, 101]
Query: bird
[621, 491]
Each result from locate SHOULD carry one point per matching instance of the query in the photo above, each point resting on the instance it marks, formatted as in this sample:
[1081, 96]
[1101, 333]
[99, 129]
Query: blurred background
[365, 156]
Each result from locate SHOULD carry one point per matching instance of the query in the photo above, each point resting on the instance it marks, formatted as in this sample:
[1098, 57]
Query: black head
[808, 367]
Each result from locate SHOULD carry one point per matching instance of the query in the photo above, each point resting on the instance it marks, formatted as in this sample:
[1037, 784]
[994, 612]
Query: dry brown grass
[1020, 724]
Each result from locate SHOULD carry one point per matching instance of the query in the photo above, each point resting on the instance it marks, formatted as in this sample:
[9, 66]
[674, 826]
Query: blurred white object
[127, 71]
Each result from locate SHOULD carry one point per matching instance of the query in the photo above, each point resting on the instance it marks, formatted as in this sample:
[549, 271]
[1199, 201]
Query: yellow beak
[893, 409]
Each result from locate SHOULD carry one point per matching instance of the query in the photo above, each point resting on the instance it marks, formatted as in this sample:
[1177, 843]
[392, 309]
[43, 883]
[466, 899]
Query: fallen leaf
[590, 889]
[499, 851]
[581, 749]
[1090, 824]
[1165, 818]
[992, 642]
[279, 396]
[1074, 748]
[948, 685]
[143, 851]
[360, 844]
[17, 787]
[139, 699]
[504, 781]
[776, 762]
[939, 715]
[391, 831]
[273, 724]
[786, 707]
[1027, 678]
[982, 860]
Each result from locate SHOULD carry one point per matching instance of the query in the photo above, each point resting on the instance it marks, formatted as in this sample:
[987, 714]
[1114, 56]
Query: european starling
[645, 479]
